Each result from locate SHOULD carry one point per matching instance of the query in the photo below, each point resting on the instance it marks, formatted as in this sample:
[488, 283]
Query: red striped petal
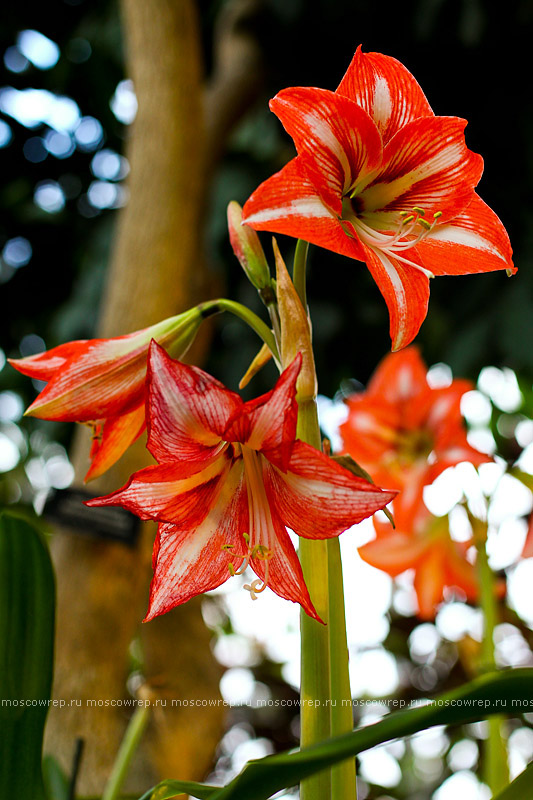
[117, 435]
[268, 423]
[288, 203]
[474, 241]
[189, 410]
[192, 559]
[426, 164]
[317, 498]
[285, 576]
[406, 292]
[386, 90]
[43, 366]
[339, 141]
[182, 493]
[103, 378]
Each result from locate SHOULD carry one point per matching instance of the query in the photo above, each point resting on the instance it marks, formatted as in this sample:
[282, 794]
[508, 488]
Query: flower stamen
[411, 229]
[255, 586]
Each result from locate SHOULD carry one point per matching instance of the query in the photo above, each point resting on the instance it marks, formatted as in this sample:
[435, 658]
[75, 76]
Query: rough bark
[155, 272]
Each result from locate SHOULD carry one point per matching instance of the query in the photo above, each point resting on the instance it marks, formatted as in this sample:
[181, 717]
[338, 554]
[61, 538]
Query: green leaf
[55, 781]
[520, 788]
[169, 789]
[27, 601]
[507, 692]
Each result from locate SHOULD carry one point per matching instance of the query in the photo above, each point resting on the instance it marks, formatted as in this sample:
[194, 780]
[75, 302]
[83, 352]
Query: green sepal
[27, 604]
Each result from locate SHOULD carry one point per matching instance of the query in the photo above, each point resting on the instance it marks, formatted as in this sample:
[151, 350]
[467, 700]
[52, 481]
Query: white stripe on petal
[382, 104]
[381, 194]
[323, 132]
[400, 298]
[455, 235]
[302, 207]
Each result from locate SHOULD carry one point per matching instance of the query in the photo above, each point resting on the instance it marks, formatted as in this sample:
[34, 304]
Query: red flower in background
[422, 542]
[402, 431]
[230, 478]
[378, 177]
[102, 382]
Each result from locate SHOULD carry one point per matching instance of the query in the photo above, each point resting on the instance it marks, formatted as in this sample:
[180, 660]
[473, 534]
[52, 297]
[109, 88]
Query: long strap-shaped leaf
[172, 788]
[26, 656]
[509, 692]
[521, 788]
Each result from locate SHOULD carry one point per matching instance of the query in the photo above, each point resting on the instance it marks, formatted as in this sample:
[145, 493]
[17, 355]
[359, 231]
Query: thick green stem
[343, 784]
[325, 694]
[315, 698]
[244, 313]
[495, 765]
[127, 749]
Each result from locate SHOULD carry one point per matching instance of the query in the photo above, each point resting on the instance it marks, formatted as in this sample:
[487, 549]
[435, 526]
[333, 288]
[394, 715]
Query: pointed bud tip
[247, 247]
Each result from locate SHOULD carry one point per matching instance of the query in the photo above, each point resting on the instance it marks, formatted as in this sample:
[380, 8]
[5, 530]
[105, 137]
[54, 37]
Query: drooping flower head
[101, 382]
[403, 431]
[230, 480]
[379, 178]
[423, 543]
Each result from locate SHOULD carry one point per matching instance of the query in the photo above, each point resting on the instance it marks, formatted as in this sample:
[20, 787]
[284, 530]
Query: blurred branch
[238, 72]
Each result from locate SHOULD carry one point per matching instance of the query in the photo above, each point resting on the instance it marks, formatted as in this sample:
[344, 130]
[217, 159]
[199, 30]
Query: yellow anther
[227, 547]
[403, 213]
[419, 211]
[408, 219]
[261, 552]
[246, 537]
[425, 224]
[231, 569]
[437, 214]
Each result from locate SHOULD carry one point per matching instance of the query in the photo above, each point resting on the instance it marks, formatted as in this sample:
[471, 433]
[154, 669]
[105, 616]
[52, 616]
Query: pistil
[258, 541]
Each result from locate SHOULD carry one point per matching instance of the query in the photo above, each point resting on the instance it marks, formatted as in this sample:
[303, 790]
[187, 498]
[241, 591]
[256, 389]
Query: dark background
[472, 59]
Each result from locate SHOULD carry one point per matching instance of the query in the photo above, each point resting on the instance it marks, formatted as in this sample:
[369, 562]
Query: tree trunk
[156, 271]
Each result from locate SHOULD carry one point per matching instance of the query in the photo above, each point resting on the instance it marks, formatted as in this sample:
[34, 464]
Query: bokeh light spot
[14, 61]
[78, 50]
[49, 196]
[38, 48]
[59, 144]
[88, 134]
[124, 102]
[17, 252]
[6, 134]
[11, 407]
[9, 454]
[34, 150]
[109, 166]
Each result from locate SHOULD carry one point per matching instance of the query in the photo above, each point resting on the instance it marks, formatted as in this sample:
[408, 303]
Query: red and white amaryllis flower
[378, 177]
[404, 431]
[422, 542]
[101, 382]
[230, 479]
